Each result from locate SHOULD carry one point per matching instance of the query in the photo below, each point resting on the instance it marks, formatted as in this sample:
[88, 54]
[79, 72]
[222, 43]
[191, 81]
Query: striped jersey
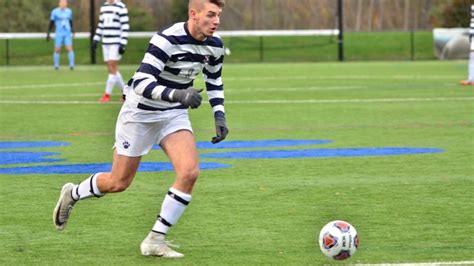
[173, 61]
[113, 24]
[471, 25]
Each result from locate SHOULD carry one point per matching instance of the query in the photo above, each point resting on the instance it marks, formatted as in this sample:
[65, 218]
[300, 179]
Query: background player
[113, 30]
[61, 19]
[156, 111]
[470, 78]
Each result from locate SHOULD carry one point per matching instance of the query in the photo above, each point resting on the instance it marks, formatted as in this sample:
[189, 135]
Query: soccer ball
[338, 240]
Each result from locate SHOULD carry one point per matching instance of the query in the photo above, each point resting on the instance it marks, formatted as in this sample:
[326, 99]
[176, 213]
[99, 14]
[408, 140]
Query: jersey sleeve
[212, 73]
[124, 25]
[99, 29]
[145, 81]
[52, 17]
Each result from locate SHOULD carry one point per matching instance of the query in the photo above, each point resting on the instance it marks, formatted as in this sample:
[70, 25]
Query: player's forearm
[149, 88]
[98, 31]
[51, 25]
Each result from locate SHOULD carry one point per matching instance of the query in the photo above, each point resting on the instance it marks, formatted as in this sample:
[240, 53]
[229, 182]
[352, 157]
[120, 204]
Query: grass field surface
[406, 208]
[357, 45]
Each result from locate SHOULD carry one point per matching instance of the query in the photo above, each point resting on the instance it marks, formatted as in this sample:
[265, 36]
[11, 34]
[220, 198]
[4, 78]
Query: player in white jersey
[113, 30]
[470, 78]
[156, 111]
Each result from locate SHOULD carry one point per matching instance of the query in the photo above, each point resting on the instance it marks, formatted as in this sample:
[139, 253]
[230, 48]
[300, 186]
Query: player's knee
[190, 175]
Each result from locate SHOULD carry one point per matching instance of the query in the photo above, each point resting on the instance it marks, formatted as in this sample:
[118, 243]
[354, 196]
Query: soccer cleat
[105, 98]
[63, 207]
[155, 245]
[466, 82]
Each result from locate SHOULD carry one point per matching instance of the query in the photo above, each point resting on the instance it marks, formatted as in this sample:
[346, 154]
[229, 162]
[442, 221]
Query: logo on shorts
[206, 59]
[126, 144]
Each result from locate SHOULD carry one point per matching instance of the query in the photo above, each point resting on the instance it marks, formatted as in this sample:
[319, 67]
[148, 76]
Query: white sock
[109, 86]
[171, 210]
[119, 81]
[471, 66]
[87, 189]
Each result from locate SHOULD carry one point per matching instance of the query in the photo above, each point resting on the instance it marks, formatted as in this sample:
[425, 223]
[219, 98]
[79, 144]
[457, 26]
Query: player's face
[63, 3]
[207, 19]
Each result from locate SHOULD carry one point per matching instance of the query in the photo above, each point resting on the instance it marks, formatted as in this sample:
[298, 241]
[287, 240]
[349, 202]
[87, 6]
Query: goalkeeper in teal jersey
[61, 20]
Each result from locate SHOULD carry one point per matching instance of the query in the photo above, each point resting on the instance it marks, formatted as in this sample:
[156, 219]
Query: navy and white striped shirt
[173, 61]
[471, 25]
[113, 24]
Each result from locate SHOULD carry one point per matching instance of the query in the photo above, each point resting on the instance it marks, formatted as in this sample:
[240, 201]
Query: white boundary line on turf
[437, 99]
[229, 91]
[50, 85]
[421, 263]
[72, 95]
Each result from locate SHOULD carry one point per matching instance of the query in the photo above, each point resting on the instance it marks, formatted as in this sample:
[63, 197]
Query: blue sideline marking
[31, 144]
[99, 167]
[241, 144]
[317, 153]
[16, 157]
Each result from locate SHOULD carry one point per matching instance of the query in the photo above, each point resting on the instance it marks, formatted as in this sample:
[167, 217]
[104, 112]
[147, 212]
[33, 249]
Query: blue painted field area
[318, 153]
[27, 157]
[19, 157]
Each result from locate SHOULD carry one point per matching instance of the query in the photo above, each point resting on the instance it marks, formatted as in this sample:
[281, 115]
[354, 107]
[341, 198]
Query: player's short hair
[219, 3]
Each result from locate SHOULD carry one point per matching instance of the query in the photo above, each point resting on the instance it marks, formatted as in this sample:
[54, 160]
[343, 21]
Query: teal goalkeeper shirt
[61, 18]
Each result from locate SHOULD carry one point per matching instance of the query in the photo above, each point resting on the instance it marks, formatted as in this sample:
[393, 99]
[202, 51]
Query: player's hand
[221, 128]
[122, 49]
[94, 45]
[189, 97]
[48, 37]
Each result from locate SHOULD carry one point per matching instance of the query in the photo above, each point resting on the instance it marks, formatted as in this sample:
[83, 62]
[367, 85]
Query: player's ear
[192, 13]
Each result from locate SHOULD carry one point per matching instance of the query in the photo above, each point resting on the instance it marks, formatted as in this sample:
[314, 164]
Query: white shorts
[134, 138]
[111, 52]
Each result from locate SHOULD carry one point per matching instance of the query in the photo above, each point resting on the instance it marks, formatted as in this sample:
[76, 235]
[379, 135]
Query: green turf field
[357, 46]
[406, 208]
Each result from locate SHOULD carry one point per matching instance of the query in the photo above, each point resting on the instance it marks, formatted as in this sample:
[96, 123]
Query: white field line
[65, 95]
[330, 78]
[336, 101]
[439, 99]
[61, 69]
[235, 91]
[421, 263]
[346, 77]
[50, 85]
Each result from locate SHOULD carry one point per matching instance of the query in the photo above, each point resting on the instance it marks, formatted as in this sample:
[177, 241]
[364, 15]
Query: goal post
[340, 25]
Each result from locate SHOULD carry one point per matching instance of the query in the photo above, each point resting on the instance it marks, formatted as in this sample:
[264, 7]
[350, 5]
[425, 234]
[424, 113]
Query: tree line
[151, 15]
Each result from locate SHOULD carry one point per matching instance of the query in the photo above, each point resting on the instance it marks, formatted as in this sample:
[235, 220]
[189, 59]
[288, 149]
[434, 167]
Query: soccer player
[61, 19]
[113, 31]
[470, 78]
[156, 111]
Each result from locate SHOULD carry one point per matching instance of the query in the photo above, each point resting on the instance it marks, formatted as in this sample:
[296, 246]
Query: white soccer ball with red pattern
[338, 240]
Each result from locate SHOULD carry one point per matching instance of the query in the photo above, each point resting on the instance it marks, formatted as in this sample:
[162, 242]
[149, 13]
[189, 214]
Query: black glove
[94, 45]
[122, 48]
[189, 97]
[221, 128]
[47, 37]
